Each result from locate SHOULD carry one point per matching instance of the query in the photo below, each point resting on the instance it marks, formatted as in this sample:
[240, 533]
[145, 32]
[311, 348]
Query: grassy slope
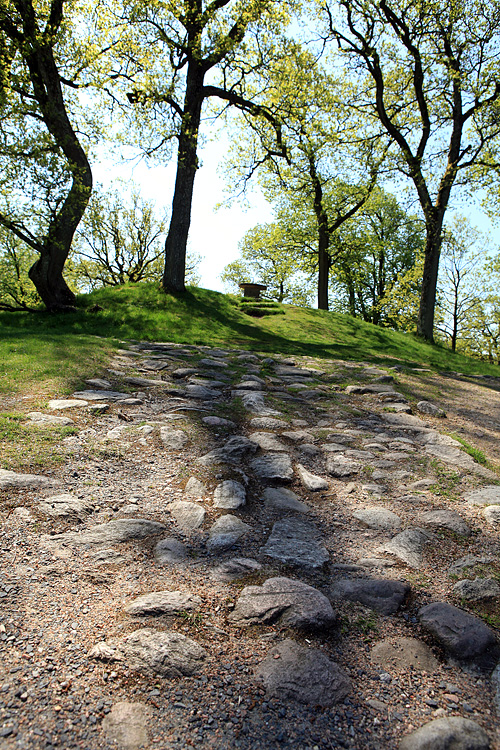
[47, 352]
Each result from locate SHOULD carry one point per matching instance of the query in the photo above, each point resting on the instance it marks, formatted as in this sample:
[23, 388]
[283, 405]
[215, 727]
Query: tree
[183, 44]
[43, 160]
[16, 289]
[271, 255]
[429, 72]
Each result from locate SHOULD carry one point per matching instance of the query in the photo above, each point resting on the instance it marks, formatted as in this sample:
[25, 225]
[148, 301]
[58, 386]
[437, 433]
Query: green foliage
[16, 289]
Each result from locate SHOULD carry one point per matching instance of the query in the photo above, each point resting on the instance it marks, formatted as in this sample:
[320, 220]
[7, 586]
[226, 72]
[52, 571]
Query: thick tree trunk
[425, 321]
[323, 270]
[187, 163]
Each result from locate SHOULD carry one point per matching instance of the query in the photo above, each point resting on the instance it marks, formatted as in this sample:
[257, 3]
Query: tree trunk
[174, 274]
[425, 321]
[323, 270]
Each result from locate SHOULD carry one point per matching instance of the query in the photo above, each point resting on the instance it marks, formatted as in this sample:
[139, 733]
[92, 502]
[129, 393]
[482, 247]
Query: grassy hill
[44, 352]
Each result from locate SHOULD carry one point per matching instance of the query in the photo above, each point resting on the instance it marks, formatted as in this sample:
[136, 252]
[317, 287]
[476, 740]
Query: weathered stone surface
[209, 362]
[479, 588]
[168, 654]
[469, 561]
[273, 467]
[404, 653]
[378, 518]
[384, 596]
[405, 421]
[450, 733]
[426, 407]
[218, 422]
[170, 551]
[255, 403]
[248, 385]
[225, 532]
[464, 636]
[189, 516]
[107, 556]
[104, 385]
[407, 546]
[299, 436]
[229, 495]
[235, 449]
[100, 395]
[235, 569]
[66, 506]
[12, 480]
[267, 423]
[201, 392]
[311, 481]
[195, 488]
[38, 418]
[183, 372]
[305, 675]
[58, 404]
[163, 603]
[445, 519]
[174, 439]
[285, 602]
[294, 541]
[366, 389]
[451, 455]
[281, 497]
[489, 495]
[492, 514]
[125, 725]
[341, 466]
[292, 371]
[267, 441]
[121, 530]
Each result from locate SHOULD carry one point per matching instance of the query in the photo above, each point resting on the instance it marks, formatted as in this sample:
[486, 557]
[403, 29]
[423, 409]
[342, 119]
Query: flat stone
[120, 530]
[341, 466]
[285, 602]
[12, 480]
[384, 596]
[426, 407]
[404, 653]
[256, 404]
[308, 449]
[292, 371]
[449, 733]
[248, 385]
[125, 725]
[445, 519]
[208, 362]
[66, 506]
[489, 495]
[305, 675]
[100, 395]
[104, 385]
[170, 551]
[38, 418]
[58, 404]
[174, 439]
[183, 372]
[311, 481]
[450, 455]
[367, 389]
[469, 561]
[225, 532]
[462, 635]
[235, 449]
[273, 467]
[478, 589]
[405, 421]
[294, 541]
[107, 556]
[202, 393]
[236, 569]
[267, 441]
[229, 495]
[284, 499]
[407, 546]
[218, 422]
[378, 518]
[267, 423]
[168, 654]
[492, 514]
[195, 488]
[163, 603]
[374, 489]
[189, 516]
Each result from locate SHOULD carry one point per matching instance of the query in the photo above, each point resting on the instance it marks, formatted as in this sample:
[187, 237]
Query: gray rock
[404, 653]
[58, 404]
[283, 498]
[12, 480]
[294, 541]
[235, 449]
[267, 441]
[285, 602]
[267, 423]
[489, 495]
[384, 596]
[305, 675]
[450, 455]
[229, 495]
[202, 393]
[208, 362]
[66, 506]
[104, 385]
[174, 439]
[125, 725]
[292, 371]
[105, 556]
[298, 436]
[450, 733]
[308, 449]
[492, 514]
[121, 530]
[170, 551]
[273, 467]
[194, 488]
[426, 407]
[163, 603]
[100, 395]
[462, 635]
[38, 418]
[183, 372]
[405, 421]
[189, 516]
[225, 532]
[311, 481]
[408, 546]
[367, 389]
[469, 561]
[374, 489]
[236, 569]
[248, 385]
[218, 422]
[255, 403]
[168, 654]
[341, 466]
[377, 518]
[478, 589]
[445, 519]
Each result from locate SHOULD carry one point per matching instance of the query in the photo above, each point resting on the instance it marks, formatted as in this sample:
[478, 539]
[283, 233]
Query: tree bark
[425, 321]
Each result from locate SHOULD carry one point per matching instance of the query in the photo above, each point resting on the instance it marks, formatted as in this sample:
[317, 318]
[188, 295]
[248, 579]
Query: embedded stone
[449, 733]
[235, 569]
[120, 530]
[229, 495]
[163, 603]
[66, 506]
[58, 404]
[125, 725]
[218, 422]
[168, 654]
[174, 439]
[12, 480]
[478, 589]
[38, 418]
[294, 541]
[492, 514]
[284, 499]
[254, 402]
[384, 596]
[408, 546]
[445, 519]
[426, 407]
[377, 518]
[170, 551]
[194, 488]
[273, 467]
[489, 495]
[341, 466]
[189, 516]
[225, 532]
[310, 481]
[267, 423]
[202, 393]
[267, 441]
[403, 653]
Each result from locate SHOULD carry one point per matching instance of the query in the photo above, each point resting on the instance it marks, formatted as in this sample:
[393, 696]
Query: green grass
[30, 447]
[476, 453]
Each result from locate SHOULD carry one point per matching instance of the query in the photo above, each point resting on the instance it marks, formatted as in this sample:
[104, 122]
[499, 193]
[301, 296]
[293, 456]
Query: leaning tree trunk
[174, 274]
[425, 321]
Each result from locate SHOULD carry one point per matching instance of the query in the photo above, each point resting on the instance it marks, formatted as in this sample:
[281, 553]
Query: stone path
[247, 552]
